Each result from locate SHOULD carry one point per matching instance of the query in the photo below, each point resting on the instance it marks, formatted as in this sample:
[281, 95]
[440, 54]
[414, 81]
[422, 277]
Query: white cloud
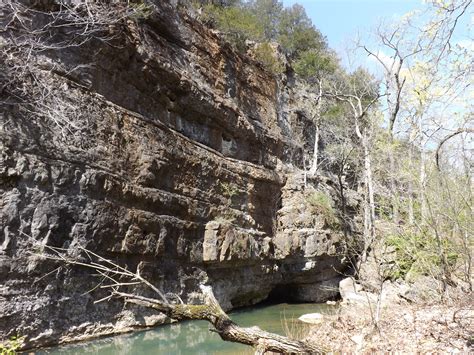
[466, 44]
[381, 57]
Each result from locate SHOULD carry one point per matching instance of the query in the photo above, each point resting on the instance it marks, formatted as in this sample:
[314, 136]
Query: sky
[339, 20]
[342, 21]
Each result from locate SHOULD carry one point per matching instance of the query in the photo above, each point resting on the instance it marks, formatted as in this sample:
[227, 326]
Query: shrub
[418, 254]
[313, 63]
[322, 204]
[229, 190]
[226, 217]
[11, 346]
[237, 23]
[141, 11]
[266, 54]
[226, 214]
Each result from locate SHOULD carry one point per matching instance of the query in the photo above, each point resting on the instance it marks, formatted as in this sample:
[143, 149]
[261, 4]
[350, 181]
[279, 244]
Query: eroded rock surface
[175, 159]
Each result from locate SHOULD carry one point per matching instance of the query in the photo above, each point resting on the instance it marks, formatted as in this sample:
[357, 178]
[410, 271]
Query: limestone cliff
[161, 148]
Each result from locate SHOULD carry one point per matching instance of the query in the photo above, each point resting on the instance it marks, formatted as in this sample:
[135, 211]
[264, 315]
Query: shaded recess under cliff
[173, 156]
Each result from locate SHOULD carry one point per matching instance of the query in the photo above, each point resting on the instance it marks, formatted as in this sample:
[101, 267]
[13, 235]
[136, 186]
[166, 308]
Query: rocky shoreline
[411, 319]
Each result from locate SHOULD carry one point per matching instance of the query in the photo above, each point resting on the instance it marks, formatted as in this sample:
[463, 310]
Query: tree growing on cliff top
[266, 21]
[297, 34]
[269, 13]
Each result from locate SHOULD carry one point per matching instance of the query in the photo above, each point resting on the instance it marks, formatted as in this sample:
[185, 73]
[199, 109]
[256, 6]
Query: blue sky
[339, 20]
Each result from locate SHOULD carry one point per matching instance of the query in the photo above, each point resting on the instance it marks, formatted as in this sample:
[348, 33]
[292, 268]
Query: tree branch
[448, 137]
[210, 311]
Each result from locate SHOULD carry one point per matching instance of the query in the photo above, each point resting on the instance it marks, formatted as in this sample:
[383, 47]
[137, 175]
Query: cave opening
[281, 294]
[292, 294]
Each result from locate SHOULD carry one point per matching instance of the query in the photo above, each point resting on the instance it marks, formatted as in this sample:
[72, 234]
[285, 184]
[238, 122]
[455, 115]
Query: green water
[194, 338]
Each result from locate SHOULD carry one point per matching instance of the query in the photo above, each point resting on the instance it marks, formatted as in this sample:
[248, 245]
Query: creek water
[194, 337]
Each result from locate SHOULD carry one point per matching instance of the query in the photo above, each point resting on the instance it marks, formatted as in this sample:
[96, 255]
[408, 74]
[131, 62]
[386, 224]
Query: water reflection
[193, 338]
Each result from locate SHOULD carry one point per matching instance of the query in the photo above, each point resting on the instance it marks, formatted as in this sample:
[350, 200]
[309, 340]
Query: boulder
[312, 318]
[351, 292]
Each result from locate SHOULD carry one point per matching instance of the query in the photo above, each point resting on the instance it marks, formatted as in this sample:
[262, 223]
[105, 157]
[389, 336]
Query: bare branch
[448, 137]
[210, 311]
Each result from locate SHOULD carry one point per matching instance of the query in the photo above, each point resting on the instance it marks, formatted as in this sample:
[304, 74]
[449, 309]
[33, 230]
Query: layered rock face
[169, 152]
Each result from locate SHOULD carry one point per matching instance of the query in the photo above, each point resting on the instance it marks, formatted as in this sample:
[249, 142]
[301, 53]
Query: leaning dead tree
[117, 279]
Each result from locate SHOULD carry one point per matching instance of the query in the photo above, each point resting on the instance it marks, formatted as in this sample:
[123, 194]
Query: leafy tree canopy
[313, 64]
[266, 21]
[297, 33]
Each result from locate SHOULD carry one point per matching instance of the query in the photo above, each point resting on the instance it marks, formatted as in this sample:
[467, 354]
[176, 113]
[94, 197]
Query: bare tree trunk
[459, 228]
[369, 213]
[317, 120]
[422, 186]
[393, 187]
[314, 166]
[466, 237]
[422, 181]
[445, 278]
[369, 203]
[392, 172]
[343, 200]
[468, 262]
[305, 175]
[411, 212]
[370, 190]
[359, 111]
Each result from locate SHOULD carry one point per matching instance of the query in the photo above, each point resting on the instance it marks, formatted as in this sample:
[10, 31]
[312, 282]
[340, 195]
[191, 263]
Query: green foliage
[238, 23]
[322, 204]
[334, 125]
[296, 33]
[418, 254]
[364, 84]
[268, 13]
[383, 204]
[229, 190]
[266, 21]
[227, 215]
[266, 54]
[255, 22]
[12, 346]
[141, 11]
[334, 111]
[313, 63]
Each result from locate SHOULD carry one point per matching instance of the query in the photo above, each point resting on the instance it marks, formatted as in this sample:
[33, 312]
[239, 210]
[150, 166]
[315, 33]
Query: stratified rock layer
[175, 162]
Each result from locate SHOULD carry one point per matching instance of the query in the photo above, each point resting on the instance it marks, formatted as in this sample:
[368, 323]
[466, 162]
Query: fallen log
[228, 330]
[120, 277]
